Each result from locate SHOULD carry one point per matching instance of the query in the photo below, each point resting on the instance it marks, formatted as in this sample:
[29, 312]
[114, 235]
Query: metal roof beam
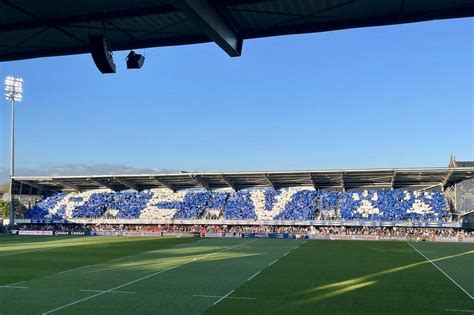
[205, 17]
[311, 180]
[446, 179]
[366, 186]
[343, 183]
[127, 183]
[394, 178]
[201, 182]
[85, 18]
[432, 186]
[379, 178]
[229, 183]
[419, 184]
[102, 183]
[325, 186]
[163, 182]
[269, 181]
[71, 186]
[38, 187]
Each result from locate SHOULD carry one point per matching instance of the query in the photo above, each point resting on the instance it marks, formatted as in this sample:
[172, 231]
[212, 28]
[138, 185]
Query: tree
[5, 187]
[5, 209]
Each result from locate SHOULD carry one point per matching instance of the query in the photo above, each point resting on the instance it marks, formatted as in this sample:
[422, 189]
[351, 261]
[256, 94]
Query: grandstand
[287, 204]
[360, 197]
[201, 258]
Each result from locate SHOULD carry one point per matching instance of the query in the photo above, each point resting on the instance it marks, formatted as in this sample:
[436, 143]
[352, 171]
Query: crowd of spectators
[52, 227]
[236, 229]
[378, 231]
[391, 231]
[142, 228]
[294, 204]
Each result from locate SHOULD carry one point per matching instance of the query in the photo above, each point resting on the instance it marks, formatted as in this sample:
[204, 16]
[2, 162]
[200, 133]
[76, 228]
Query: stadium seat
[266, 204]
[302, 206]
[239, 205]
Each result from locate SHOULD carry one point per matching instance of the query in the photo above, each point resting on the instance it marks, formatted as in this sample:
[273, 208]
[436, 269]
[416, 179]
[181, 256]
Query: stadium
[331, 241]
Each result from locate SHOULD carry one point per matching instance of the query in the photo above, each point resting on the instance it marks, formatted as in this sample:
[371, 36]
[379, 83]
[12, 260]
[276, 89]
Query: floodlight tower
[13, 93]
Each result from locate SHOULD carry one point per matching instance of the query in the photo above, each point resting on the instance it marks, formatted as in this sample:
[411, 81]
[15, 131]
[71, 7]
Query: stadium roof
[30, 29]
[411, 178]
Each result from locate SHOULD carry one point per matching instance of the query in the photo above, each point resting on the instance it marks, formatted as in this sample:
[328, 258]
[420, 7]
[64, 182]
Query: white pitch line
[13, 284]
[12, 287]
[297, 246]
[74, 269]
[125, 292]
[300, 244]
[117, 259]
[107, 291]
[461, 311]
[272, 263]
[224, 249]
[223, 297]
[254, 275]
[139, 279]
[157, 250]
[229, 297]
[444, 273]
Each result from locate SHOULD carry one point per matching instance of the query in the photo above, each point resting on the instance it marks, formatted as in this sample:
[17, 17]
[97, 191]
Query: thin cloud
[81, 170]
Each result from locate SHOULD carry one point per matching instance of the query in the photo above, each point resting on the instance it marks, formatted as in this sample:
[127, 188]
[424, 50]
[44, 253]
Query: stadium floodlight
[13, 93]
[13, 89]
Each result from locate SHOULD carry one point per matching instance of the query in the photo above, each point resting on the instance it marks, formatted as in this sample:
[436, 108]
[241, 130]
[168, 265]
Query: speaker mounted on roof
[101, 53]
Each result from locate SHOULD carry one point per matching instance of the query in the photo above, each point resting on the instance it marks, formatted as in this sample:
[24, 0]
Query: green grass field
[103, 275]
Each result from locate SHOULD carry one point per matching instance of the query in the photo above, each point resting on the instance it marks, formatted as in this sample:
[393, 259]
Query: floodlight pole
[12, 162]
[13, 93]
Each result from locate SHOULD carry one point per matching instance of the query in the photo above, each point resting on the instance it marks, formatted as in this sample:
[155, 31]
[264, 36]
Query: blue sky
[396, 96]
